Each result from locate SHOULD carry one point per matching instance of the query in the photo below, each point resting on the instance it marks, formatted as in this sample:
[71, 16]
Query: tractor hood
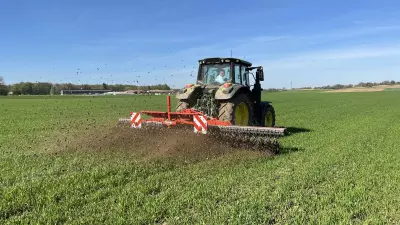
[224, 91]
[191, 89]
[227, 91]
[188, 90]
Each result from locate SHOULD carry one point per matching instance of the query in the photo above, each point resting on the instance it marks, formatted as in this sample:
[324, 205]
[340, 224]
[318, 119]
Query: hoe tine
[123, 122]
[252, 137]
[267, 141]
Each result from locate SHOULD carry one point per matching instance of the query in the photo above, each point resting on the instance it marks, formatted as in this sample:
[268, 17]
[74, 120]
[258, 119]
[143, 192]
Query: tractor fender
[266, 103]
[188, 92]
[224, 93]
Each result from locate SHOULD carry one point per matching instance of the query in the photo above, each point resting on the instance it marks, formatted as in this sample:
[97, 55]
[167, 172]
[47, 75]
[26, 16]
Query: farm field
[63, 161]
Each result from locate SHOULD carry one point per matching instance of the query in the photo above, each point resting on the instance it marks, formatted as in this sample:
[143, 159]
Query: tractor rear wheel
[182, 104]
[236, 110]
[268, 116]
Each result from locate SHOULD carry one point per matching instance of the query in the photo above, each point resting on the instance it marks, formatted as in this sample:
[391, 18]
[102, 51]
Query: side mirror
[260, 75]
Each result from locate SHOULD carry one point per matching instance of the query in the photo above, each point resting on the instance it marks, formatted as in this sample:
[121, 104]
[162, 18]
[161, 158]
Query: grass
[391, 89]
[341, 167]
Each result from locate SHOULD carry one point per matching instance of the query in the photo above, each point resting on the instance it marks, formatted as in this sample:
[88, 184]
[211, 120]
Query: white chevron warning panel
[136, 121]
[200, 124]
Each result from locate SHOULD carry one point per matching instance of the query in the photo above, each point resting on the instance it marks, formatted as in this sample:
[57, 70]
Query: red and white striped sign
[136, 121]
[200, 124]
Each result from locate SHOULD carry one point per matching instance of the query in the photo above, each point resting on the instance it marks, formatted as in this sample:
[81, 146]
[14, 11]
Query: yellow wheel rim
[268, 119]
[242, 115]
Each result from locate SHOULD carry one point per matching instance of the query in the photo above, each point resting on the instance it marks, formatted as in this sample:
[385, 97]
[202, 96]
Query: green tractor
[223, 91]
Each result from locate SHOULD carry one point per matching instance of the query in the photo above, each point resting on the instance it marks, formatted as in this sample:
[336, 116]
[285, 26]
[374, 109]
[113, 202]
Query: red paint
[169, 107]
[226, 85]
[184, 116]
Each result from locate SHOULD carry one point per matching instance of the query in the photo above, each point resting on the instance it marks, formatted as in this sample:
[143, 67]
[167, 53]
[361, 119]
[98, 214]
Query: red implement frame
[182, 117]
[191, 117]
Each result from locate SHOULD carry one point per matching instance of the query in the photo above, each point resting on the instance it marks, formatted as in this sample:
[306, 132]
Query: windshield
[215, 74]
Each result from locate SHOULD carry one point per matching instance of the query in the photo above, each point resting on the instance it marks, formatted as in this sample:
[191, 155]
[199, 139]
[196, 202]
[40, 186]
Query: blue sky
[308, 43]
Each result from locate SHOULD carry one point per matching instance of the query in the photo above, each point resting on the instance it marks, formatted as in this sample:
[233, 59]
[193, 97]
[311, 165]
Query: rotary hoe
[222, 105]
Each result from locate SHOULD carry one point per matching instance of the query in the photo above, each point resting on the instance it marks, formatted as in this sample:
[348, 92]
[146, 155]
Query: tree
[3, 90]
[86, 87]
[361, 84]
[386, 82]
[3, 87]
[53, 89]
[27, 88]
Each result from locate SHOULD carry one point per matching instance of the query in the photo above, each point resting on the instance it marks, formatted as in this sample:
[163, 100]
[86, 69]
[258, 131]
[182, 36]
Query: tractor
[222, 104]
[223, 91]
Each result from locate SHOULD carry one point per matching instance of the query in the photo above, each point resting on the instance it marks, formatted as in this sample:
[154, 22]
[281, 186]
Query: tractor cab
[223, 91]
[214, 72]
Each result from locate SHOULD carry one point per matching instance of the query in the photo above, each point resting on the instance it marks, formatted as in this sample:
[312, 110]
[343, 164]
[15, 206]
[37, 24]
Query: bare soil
[145, 144]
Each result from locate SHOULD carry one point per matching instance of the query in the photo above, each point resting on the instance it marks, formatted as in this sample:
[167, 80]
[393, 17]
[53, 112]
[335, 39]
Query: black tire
[182, 104]
[227, 109]
[268, 110]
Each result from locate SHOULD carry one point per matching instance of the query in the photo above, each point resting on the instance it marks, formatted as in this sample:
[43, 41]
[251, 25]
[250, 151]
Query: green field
[62, 161]
[391, 89]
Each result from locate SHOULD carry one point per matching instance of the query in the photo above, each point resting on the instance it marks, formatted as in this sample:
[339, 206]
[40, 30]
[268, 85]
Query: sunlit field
[62, 159]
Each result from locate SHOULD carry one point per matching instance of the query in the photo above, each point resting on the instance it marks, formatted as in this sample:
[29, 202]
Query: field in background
[369, 89]
[61, 160]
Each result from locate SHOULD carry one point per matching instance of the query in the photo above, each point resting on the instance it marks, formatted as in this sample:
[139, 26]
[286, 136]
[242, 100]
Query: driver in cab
[221, 78]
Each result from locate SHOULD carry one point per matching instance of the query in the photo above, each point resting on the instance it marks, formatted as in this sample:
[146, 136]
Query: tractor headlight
[189, 85]
[227, 85]
[226, 88]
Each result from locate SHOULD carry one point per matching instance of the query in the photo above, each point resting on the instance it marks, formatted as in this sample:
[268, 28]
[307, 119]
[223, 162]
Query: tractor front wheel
[268, 116]
[236, 110]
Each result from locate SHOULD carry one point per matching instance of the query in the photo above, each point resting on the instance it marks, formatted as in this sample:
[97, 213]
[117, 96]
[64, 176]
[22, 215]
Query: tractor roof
[220, 60]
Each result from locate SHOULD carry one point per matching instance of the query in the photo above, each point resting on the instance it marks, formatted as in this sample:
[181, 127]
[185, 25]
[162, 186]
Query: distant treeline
[46, 88]
[361, 84]
[339, 86]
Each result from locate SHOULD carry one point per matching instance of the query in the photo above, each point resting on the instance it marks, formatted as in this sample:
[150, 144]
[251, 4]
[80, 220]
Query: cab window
[237, 74]
[245, 77]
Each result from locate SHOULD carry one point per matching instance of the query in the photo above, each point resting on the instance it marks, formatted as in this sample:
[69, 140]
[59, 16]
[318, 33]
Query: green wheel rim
[242, 115]
[268, 119]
